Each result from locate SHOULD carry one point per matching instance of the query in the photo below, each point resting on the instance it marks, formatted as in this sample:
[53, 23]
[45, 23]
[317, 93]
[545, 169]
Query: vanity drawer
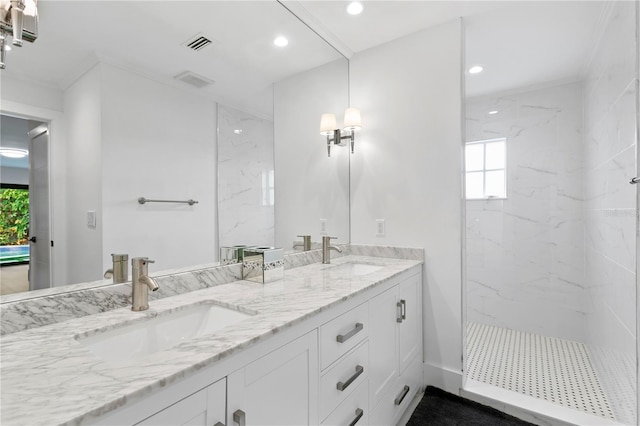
[352, 411]
[397, 399]
[341, 380]
[343, 333]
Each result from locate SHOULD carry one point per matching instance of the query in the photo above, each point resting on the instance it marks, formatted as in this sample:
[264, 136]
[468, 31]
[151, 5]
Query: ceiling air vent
[194, 79]
[197, 42]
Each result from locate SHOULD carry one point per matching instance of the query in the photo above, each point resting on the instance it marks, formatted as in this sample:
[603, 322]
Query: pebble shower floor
[555, 370]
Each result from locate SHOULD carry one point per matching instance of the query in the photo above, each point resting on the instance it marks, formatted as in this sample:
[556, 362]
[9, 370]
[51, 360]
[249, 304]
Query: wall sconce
[18, 18]
[329, 128]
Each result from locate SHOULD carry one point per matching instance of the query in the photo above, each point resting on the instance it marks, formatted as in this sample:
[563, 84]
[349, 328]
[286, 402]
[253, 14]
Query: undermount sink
[352, 269]
[161, 332]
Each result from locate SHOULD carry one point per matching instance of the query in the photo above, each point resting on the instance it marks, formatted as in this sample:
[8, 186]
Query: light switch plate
[380, 228]
[323, 226]
[91, 219]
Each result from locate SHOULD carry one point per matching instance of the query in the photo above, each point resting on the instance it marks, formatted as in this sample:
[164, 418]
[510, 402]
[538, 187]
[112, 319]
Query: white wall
[15, 175]
[611, 102]
[525, 254]
[158, 142]
[407, 170]
[82, 106]
[301, 156]
[245, 165]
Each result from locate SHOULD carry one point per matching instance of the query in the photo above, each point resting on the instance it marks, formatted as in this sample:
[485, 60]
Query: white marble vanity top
[49, 378]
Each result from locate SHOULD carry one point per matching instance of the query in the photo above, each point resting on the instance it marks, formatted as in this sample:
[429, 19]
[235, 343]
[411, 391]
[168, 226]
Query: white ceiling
[519, 43]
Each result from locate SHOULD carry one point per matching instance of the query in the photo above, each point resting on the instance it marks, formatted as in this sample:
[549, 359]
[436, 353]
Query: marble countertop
[49, 378]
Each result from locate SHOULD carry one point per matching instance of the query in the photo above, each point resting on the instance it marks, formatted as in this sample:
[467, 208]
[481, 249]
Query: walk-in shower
[551, 129]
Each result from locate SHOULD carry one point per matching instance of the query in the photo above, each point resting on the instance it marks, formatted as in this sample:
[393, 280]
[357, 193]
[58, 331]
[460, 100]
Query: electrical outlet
[323, 226]
[380, 228]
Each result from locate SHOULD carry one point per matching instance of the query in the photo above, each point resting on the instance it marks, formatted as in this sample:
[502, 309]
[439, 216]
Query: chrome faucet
[305, 244]
[141, 283]
[120, 269]
[327, 247]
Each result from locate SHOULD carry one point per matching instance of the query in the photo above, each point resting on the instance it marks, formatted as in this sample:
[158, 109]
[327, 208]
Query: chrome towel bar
[143, 200]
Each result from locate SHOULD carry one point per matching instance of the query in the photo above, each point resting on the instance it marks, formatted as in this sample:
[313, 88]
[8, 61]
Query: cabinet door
[281, 388]
[383, 345]
[409, 330]
[203, 408]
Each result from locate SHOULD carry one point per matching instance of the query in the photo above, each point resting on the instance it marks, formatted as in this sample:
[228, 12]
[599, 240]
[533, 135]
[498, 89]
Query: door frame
[57, 194]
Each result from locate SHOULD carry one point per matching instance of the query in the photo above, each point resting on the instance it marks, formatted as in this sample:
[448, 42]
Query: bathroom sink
[161, 332]
[353, 269]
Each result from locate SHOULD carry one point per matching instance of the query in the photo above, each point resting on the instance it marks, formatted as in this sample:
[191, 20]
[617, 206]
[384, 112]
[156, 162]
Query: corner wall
[83, 155]
[407, 170]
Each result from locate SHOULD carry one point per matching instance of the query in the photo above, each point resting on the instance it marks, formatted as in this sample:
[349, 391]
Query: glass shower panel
[551, 263]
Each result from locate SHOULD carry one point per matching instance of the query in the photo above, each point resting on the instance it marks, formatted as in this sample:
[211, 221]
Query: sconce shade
[352, 119]
[327, 124]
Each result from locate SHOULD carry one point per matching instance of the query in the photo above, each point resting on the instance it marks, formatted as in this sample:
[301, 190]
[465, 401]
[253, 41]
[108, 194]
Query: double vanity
[334, 344]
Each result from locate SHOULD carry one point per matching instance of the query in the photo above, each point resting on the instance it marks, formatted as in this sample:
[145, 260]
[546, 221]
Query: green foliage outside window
[14, 216]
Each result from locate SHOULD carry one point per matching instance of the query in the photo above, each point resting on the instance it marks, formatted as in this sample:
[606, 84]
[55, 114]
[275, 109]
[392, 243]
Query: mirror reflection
[119, 106]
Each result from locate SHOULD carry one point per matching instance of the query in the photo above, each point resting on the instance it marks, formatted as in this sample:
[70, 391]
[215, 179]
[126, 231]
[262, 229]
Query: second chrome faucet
[141, 283]
[327, 247]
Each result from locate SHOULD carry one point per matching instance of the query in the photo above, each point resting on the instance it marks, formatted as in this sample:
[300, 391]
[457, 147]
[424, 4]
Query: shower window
[485, 169]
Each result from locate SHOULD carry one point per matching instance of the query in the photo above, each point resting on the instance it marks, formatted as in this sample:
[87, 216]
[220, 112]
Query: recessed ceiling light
[280, 41]
[237, 131]
[355, 8]
[493, 112]
[475, 69]
[13, 152]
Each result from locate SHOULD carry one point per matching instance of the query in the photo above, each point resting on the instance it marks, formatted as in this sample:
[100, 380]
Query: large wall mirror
[171, 101]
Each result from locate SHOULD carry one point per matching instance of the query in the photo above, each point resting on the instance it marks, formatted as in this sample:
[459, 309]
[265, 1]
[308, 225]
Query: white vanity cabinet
[278, 389]
[206, 407]
[395, 346]
[357, 363]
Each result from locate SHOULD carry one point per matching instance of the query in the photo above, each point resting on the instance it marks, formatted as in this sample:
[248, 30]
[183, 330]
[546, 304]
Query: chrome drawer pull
[240, 417]
[359, 414]
[402, 310]
[341, 338]
[634, 180]
[342, 386]
[400, 397]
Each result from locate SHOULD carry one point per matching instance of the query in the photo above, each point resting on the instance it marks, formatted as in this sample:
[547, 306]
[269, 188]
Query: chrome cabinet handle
[240, 417]
[359, 414]
[342, 386]
[341, 338]
[402, 310]
[219, 424]
[634, 180]
[400, 398]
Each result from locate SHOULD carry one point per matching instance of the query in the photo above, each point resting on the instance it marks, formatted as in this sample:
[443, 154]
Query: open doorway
[24, 205]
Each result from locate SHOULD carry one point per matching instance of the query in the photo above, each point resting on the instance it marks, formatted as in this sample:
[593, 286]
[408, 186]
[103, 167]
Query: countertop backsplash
[49, 306]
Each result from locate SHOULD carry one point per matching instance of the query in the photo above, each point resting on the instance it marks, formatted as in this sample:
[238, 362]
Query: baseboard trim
[443, 378]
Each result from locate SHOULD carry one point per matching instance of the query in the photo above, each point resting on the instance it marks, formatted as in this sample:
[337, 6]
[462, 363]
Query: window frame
[484, 169]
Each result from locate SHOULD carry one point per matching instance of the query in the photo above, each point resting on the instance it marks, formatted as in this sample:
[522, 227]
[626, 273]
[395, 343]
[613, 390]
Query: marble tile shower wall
[245, 178]
[610, 100]
[525, 253]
